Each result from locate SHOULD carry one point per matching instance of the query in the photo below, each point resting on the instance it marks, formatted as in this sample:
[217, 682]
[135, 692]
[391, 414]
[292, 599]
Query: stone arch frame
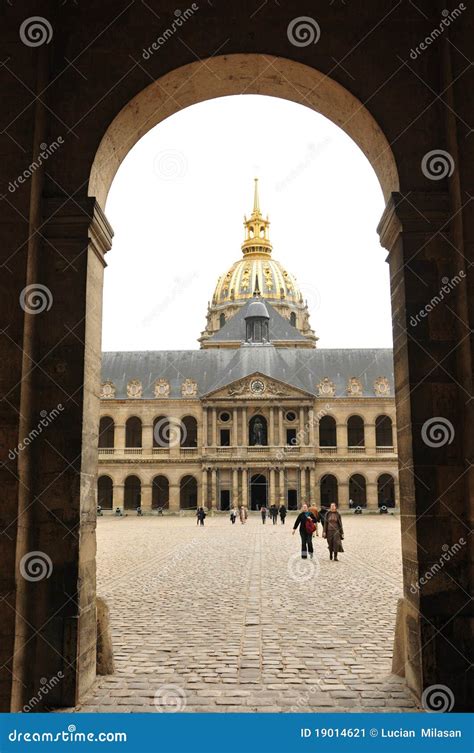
[185, 431]
[421, 611]
[153, 486]
[161, 430]
[331, 416]
[338, 485]
[196, 483]
[366, 482]
[135, 501]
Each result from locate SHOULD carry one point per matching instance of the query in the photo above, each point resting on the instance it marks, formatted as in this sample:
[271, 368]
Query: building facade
[258, 415]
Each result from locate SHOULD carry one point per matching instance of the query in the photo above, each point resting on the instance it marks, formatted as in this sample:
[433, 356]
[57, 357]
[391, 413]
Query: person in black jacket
[306, 536]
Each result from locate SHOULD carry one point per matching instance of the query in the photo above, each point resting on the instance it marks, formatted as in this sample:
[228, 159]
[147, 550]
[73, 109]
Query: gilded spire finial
[256, 199]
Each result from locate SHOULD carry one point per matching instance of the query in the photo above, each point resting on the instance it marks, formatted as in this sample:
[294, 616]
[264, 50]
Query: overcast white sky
[177, 205]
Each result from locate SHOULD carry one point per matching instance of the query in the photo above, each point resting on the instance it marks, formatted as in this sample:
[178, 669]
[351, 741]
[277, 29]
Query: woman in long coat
[333, 531]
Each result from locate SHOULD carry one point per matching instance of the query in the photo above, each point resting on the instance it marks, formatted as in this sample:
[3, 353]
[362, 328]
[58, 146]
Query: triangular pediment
[257, 386]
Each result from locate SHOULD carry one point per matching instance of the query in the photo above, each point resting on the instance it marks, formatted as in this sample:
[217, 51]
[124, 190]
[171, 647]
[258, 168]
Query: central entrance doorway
[258, 491]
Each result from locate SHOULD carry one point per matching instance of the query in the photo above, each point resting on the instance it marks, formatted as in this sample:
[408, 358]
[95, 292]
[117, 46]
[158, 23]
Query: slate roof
[213, 368]
[278, 327]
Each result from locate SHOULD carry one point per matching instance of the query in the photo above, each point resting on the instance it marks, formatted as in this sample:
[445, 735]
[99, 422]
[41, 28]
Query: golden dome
[257, 271]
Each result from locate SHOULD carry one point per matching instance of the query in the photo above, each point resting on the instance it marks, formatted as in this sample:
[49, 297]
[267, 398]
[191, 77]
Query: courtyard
[228, 618]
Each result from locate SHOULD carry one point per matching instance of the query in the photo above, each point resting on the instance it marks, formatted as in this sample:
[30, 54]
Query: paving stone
[216, 634]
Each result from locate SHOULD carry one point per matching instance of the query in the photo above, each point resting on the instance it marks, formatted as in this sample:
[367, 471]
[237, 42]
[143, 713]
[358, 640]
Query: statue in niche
[258, 431]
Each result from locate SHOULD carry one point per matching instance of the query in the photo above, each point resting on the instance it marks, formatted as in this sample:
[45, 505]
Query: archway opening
[329, 490]
[355, 432]
[160, 496]
[327, 432]
[383, 431]
[132, 493]
[188, 493]
[258, 491]
[357, 491]
[189, 432]
[105, 492]
[133, 433]
[106, 432]
[386, 490]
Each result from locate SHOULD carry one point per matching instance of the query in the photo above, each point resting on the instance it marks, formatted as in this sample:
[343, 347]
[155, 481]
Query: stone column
[312, 483]
[145, 502]
[214, 500]
[343, 494]
[271, 428]
[369, 435]
[371, 491]
[235, 488]
[174, 496]
[147, 439]
[301, 429]
[119, 438]
[272, 486]
[205, 427]
[118, 497]
[245, 495]
[235, 427]
[303, 485]
[204, 487]
[426, 236]
[281, 485]
[341, 438]
[281, 440]
[245, 431]
[311, 427]
[214, 427]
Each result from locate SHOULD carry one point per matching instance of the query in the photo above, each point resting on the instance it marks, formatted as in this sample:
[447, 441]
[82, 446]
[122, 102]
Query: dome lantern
[257, 229]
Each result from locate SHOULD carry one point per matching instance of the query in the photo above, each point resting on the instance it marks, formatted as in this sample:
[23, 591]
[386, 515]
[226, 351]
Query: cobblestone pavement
[229, 618]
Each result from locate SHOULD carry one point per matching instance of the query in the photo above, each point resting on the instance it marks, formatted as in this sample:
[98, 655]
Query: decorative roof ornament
[354, 387]
[107, 390]
[257, 239]
[382, 386]
[189, 388]
[134, 388]
[326, 388]
[162, 388]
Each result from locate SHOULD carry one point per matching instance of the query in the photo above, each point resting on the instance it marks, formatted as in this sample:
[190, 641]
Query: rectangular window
[291, 437]
[225, 437]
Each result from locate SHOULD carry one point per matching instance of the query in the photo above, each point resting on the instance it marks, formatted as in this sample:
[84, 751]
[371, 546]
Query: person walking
[201, 515]
[315, 512]
[333, 531]
[242, 514]
[282, 512]
[263, 513]
[233, 515]
[274, 513]
[307, 525]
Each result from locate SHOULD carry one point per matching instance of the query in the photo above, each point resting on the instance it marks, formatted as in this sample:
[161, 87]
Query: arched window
[106, 432]
[355, 432]
[132, 493]
[327, 432]
[221, 320]
[188, 493]
[105, 492]
[161, 432]
[160, 493]
[357, 491]
[133, 432]
[293, 319]
[383, 431]
[258, 430]
[188, 432]
[329, 490]
[386, 490]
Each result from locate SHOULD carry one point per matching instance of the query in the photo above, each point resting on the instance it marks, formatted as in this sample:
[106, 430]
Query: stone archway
[418, 228]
